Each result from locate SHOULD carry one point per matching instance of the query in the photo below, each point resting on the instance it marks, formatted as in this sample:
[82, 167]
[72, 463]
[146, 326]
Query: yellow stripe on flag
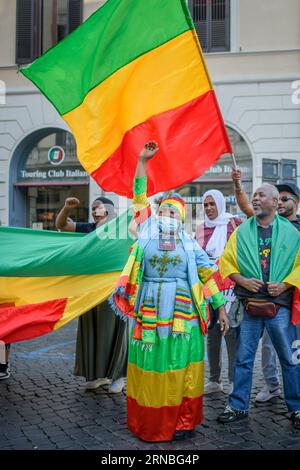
[228, 261]
[143, 88]
[294, 277]
[31, 290]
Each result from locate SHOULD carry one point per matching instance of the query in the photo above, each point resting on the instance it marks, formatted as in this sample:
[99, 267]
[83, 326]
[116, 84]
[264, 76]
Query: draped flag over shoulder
[134, 72]
[48, 278]
[241, 255]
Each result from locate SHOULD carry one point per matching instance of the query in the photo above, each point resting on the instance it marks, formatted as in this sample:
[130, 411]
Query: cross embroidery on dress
[161, 264]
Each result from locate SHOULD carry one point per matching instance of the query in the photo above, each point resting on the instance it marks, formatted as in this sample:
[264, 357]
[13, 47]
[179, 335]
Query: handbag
[261, 308]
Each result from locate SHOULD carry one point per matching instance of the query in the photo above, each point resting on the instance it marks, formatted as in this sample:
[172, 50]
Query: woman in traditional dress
[102, 338]
[161, 291]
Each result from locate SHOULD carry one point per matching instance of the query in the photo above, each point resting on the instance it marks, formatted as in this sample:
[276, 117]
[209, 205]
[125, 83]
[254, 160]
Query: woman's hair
[104, 200]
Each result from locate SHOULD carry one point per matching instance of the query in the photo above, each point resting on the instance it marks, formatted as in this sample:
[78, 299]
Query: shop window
[44, 202]
[51, 173]
[212, 23]
[43, 23]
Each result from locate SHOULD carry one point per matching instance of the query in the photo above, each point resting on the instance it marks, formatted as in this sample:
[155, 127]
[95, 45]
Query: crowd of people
[235, 279]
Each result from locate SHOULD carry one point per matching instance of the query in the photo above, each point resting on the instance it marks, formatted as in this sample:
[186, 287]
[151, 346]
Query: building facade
[252, 50]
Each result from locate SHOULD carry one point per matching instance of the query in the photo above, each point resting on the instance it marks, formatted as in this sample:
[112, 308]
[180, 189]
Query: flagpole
[234, 162]
[237, 184]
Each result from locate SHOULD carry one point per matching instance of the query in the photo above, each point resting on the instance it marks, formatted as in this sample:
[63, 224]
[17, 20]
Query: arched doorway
[219, 177]
[44, 171]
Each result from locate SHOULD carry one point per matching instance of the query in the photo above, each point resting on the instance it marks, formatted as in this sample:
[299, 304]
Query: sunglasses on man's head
[285, 198]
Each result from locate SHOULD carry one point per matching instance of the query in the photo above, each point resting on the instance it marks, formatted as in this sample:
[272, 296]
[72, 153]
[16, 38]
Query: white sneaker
[266, 394]
[96, 383]
[117, 386]
[213, 387]
[4, 371]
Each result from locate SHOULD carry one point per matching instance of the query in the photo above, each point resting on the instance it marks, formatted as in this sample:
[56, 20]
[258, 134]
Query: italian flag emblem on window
[56, 155]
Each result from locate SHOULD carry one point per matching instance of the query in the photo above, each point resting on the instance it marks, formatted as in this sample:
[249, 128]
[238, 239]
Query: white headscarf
[218, 240]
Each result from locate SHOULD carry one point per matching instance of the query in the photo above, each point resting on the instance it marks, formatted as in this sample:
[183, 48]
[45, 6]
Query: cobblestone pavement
[43, 407]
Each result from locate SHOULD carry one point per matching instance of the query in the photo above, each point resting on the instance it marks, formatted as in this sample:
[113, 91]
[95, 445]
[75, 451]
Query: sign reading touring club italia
[56, 155]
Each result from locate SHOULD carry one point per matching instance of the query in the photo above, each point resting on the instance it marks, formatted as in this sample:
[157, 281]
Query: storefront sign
[51, 174]
[219, 170]
[198, 199]
[52, 164]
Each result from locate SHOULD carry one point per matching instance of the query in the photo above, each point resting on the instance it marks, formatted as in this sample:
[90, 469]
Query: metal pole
[234, 161]
[237, 184]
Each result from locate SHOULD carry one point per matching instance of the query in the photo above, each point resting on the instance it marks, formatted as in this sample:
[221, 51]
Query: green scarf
[284, 249]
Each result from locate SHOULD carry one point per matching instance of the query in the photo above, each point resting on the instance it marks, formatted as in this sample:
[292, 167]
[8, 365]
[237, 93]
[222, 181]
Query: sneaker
[229, 415]
[117, 386]
[213, 387]
[266, 394]
[4, 371]
[92, 385]
[296, 419]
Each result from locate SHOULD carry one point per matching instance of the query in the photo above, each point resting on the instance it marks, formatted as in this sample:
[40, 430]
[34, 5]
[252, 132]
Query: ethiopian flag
[241, 255]
[48, 278]
[134, 72]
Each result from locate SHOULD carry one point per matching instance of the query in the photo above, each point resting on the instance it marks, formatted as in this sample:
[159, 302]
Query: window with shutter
[212, 23]
[25, 28]
[199, 9]
[43, 23]
[75, 14]
[220, 25]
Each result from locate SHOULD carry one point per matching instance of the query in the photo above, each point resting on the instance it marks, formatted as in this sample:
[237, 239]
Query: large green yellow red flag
[134, 72]
[48, 278]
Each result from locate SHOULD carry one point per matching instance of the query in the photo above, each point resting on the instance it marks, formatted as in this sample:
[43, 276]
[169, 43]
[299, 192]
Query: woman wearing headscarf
[212, 236]
[102, 338]
[160, 290]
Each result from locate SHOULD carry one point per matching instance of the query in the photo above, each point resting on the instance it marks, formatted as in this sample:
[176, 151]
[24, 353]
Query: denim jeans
[269, 364]
[283, 334]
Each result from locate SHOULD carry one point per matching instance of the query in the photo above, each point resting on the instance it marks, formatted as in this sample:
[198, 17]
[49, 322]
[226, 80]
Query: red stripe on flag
[296, 307]
[191, 138]
[159, 424]
[30, 321]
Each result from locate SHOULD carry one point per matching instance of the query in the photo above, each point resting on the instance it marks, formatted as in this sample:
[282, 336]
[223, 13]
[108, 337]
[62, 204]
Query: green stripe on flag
[116, 34]
[36, 253]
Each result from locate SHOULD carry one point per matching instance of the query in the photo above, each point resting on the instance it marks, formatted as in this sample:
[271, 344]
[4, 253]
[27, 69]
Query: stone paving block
[250, 445]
